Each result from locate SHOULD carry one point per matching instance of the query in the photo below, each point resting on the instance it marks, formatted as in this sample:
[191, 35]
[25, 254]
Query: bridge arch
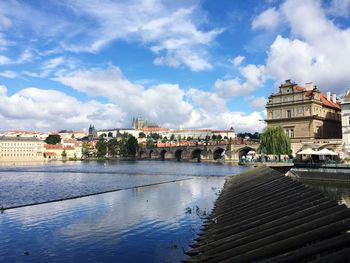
[150, 154]
[162, 154]
[244, 151]
[142, 154]
[218, 153]
[196, 154]
[178, 154]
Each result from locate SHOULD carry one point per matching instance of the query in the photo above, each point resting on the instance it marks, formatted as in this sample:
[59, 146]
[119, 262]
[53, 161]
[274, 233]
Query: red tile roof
[323, 97]
[53, 146]
[328, 103]
[299, 88]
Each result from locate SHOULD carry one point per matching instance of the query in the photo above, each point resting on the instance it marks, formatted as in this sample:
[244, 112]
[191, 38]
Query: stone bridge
[229, 152]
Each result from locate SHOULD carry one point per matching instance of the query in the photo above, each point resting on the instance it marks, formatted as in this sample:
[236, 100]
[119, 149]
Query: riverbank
[339, 175]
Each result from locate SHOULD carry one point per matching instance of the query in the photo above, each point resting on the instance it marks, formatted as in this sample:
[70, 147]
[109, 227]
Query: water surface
[153, 223]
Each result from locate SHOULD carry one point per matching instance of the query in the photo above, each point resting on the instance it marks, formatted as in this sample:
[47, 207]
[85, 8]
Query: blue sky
[193, 64]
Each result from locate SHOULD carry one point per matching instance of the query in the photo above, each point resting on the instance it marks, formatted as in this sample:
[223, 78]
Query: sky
[192, 64]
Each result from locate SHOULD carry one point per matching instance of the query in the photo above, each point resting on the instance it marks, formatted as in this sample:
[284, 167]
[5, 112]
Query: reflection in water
[145, 224]
[335, 191]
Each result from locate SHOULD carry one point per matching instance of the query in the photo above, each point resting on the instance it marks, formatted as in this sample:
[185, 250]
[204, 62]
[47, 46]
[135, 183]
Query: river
[152, 214]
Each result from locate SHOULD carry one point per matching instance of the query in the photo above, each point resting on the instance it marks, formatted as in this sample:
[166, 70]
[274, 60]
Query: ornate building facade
[307, 115]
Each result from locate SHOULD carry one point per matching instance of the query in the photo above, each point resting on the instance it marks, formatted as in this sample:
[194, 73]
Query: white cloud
[172, 31]
[53, 63]
[164, 103]
[5, 22]
[167, 104]
[237, 60]
[340, 8]
[269, 19]
[207, 101]
[37, 109]
[5, 60]
[25, 56]
[319, 51]
[8, 74]
[258, 102]
[253, 78]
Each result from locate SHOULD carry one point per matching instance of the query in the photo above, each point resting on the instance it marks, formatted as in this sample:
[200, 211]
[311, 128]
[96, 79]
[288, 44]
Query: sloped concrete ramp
[264, 216]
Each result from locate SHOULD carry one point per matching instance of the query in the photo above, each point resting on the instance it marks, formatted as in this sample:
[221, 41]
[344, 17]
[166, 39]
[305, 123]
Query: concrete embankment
[264, 216]
[321, 174]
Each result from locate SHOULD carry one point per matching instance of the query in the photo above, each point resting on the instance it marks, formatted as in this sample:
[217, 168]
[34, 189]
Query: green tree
[274, 141]
[189, 138]
[219, 137]
[101, 147]
[150, 143]
[142, 135]
[110, 134]
[53, 139]
[85, 150]
[214, 137]
[113, 147]
[122, 146]
[155, 136]
[132, 146]
[172, 137]
[64, 154]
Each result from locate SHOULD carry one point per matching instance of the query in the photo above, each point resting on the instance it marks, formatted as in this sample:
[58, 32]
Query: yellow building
[304, 112]
[21, 149]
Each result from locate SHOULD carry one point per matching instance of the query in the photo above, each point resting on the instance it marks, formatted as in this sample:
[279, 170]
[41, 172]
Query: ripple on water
[145, 224]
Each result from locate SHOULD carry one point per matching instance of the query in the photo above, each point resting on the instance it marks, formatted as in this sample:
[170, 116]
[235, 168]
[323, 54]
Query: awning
[307, 151]
[325, 151]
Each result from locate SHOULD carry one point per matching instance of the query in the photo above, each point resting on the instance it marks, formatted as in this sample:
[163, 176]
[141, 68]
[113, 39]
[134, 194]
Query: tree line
[125, 146]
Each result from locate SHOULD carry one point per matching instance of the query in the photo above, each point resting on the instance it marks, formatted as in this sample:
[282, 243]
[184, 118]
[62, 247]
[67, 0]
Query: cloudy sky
[191, 63]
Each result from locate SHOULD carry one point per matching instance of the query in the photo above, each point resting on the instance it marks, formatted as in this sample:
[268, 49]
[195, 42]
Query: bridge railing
[204, 143]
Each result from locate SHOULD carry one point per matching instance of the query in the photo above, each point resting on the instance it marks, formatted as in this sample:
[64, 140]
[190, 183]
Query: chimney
[328, 96]
[309, 86]
[334, 98]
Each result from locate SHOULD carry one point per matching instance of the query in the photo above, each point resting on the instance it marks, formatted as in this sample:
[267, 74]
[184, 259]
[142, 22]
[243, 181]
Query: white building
[21, 149]
[345, 120]
[117, 132]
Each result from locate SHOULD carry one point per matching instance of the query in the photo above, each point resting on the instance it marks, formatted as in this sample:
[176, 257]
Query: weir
[264, 216]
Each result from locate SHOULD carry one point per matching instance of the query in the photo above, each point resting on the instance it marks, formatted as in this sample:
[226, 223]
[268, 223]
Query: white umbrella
[307, 151]
[325, 151]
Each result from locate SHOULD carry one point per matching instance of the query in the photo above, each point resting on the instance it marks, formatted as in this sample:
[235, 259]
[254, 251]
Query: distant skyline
[197, 64]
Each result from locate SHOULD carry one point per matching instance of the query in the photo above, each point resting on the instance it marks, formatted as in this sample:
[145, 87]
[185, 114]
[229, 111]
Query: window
[289, 114]
[290, 133]
[348, 120]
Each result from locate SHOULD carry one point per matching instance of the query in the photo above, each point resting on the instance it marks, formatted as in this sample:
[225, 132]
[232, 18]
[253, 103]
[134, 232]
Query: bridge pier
[217, 152]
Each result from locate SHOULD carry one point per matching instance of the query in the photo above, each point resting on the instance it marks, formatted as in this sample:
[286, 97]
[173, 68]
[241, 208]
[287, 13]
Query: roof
[299, 88]
[116, 129]
[329, 103]
[323, 97]
[18, 139]
[58, 146]
[182, 131]
[216, 131]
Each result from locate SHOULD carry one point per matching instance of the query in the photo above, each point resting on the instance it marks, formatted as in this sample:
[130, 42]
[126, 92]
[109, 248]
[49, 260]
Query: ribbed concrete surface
[264, 216]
